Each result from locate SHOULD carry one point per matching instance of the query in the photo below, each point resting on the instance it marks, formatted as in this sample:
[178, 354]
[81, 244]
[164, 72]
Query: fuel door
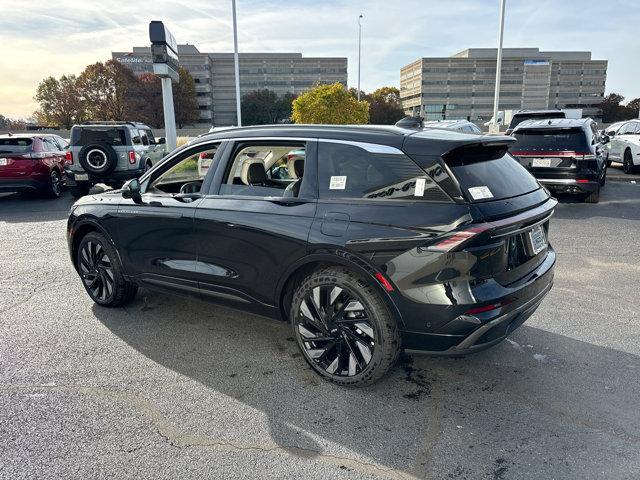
[334, 224]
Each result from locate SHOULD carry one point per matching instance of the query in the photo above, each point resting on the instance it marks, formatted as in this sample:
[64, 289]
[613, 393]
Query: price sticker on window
[480, 193]
[419, 191]
[338, 183]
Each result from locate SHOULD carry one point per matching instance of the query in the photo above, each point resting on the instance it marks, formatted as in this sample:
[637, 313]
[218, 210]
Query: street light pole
[359, 51]
[236, 62]
[496, 98]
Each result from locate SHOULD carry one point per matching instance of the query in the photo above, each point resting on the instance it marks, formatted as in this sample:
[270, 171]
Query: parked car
[463, 126]
[382, 238]
[625, 146]
[565, 155]
[418, 122]
[32, 163]
[523, 115]
[110, 153]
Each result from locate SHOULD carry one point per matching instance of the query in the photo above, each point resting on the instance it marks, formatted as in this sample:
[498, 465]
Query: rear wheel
[627, 163]
[344, 328]
[101, 272]
[54, 189]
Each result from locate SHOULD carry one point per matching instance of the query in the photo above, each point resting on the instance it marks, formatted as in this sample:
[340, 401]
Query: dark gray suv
[110, 153]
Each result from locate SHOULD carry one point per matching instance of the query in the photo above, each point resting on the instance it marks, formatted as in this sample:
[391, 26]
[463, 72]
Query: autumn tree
[184, 99]
[385, 107]
[60, 103]
[330, 104]
[262, 107]
[151, 112]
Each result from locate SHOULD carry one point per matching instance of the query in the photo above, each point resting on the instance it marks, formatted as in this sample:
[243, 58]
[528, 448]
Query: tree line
[111, 91]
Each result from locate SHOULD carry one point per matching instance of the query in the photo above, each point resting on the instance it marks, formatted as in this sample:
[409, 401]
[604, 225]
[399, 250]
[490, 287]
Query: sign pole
[495, 127]
[236, 62]
[169, 114]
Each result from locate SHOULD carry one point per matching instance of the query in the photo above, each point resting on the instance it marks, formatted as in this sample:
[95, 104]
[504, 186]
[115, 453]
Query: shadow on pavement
[489, 412]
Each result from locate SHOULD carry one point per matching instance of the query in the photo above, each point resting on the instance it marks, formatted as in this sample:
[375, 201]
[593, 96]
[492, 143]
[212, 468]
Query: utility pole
[494, 127]
[236, 62]
[359, 50]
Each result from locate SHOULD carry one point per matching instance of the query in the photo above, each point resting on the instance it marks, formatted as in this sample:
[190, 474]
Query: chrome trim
[563, 181]
[524, 229]
[369, 147]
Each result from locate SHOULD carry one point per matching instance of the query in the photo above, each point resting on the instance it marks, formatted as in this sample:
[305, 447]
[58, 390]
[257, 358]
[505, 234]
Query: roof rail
[109, 122]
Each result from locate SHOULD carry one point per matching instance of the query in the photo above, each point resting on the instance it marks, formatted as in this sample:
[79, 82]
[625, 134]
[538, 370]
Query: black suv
[110, 152]
[565, 155]
[366, 239]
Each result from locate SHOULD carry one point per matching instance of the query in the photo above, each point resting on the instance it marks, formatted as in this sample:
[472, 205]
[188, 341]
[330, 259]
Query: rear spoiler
[437, 143]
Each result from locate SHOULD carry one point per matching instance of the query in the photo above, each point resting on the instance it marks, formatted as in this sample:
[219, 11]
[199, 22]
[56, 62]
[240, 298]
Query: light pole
[236, 62]
[494, 127]
[359, 50]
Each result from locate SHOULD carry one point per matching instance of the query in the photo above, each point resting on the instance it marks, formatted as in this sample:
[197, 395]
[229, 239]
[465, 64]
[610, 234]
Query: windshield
[521, 117]
[548, 140]
[15, 145]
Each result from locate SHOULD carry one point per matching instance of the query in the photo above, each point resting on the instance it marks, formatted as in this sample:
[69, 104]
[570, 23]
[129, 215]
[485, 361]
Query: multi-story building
[214, 76]
[463, 85]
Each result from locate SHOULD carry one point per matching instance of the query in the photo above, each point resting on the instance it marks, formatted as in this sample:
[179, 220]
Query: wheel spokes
[96, 271]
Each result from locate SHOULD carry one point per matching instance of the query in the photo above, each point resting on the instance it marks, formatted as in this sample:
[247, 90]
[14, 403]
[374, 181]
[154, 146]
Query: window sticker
[480, 193]
[420, 183]
[338, 183]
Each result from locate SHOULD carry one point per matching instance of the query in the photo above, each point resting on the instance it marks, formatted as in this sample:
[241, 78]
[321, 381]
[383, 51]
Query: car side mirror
[161, 141]
[605, 138]
[132, 190]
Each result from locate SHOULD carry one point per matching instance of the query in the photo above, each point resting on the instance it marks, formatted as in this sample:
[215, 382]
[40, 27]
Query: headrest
[253, 171]
[295, 166]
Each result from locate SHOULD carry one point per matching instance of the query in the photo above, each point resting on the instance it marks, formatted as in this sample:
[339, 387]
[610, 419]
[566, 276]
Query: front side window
[350, 171]
[265, 170]
[187, 175]
[143, 137]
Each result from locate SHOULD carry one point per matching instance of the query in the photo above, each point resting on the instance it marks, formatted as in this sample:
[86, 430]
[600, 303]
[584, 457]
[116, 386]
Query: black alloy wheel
[96, 271]
[627, 163]
[55, 184]
[101, 273]
[343, 328]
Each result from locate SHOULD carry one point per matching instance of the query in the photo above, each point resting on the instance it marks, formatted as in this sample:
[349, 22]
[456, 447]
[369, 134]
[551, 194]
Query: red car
[32, 162]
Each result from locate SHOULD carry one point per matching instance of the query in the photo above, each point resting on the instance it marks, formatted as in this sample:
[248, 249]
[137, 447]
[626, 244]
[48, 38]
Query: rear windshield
[547, 140]
[15, 145]
[519, 118]
[496, 179]
[111, 136]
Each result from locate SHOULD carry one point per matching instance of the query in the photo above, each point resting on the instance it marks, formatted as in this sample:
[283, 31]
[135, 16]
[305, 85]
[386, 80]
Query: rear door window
[372, 172]
[551, 140]
[111, 136]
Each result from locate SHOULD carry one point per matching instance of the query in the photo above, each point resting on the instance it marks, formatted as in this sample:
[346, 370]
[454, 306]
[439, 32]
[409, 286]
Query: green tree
[633, 108]
[60, 103]
[262, 107]
[330, 104]
[185, 99]
[612, 111]
[385, 108]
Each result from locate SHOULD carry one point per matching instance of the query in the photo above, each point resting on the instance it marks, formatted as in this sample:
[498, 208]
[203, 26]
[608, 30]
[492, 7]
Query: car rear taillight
[488, 308]
[132, 157]
[582, 180]
[68, 158]
[458, 238]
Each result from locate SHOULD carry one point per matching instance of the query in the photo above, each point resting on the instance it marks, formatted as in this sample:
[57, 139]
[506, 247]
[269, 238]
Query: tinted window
[549, 140]
[502, 177]
[49, 145]
[521, 117]
[111, 136]
[349, 171]
[15, 145]
[150, 137]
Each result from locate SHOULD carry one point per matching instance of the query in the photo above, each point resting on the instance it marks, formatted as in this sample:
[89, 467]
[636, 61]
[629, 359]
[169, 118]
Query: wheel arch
[304, 266]
[80, 230]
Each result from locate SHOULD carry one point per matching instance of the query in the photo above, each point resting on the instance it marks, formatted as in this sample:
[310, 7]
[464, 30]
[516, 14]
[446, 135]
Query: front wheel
[344, 328]
[102, 273]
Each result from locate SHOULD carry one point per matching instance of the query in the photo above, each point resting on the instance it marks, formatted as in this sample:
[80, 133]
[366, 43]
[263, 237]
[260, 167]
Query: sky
[39, 38]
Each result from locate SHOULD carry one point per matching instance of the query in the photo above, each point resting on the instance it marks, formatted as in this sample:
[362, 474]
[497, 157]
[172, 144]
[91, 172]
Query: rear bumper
[490, 327]
[569, 185]
[118, 176]
[21, 184]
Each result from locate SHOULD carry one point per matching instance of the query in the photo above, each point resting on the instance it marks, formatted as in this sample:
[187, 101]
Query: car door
[252, 228]
[155, 233]
[618, 142]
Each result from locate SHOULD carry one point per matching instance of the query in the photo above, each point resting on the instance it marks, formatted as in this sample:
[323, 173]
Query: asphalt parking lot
[174, 388]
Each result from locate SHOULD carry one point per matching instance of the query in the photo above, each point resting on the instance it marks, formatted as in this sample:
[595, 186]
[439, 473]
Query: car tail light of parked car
[68, 157]
[132, 157]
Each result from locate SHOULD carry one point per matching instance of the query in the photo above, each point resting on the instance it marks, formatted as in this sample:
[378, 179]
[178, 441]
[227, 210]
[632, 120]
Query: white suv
[625, 146]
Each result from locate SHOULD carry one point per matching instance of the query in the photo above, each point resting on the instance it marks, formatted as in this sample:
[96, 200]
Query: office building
[214, 76]
[462, 86]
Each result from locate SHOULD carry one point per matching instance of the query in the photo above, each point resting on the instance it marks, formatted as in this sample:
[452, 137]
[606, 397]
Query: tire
[593, 197]
[101, 272]
[627, 163]
[343, 355]
[98, 158]
[54, 189]
[603, 180]
[609, 163]
[78, 191]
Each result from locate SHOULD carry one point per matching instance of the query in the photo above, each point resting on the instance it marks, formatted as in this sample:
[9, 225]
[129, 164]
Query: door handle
[287, 201]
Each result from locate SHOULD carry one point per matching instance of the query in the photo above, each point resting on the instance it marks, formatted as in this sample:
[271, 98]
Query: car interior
[266, 171]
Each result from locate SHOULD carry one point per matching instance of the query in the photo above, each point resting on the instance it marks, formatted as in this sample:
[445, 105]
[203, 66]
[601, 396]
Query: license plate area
[81, 176]
[536, 240]
[3, 162]
[541, 162]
